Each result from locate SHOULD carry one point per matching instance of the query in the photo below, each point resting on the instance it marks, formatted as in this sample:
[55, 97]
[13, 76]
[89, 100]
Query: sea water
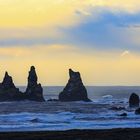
[99, 114]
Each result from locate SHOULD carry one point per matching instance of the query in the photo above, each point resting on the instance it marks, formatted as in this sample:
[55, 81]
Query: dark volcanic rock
[7, 81]
[74, 90]
[36, 120]
[34, 90]
[137, 111]
[134, 100]
[123, 115]
[8, 91]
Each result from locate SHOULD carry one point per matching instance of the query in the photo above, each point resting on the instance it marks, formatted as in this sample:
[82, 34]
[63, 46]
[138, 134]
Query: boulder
[137, 111]
[134, 100]
[34, 90]
[74, 90]
[36, 120]
[123, 115]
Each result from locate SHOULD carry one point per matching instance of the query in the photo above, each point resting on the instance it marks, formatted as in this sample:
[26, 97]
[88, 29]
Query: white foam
[67, 120]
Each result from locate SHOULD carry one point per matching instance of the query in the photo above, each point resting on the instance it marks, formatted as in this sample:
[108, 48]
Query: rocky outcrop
[137, 111]
[123, 115]
[34, 90]
[134, 100]
[9, 92]
[74, 90]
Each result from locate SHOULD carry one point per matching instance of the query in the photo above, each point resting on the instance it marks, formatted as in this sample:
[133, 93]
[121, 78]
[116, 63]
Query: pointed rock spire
[7, 81]
[8, 91]
[74, 90]
[32, 78]
[34, 90]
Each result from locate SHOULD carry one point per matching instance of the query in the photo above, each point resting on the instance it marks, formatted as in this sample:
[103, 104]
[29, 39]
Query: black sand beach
[112, 134]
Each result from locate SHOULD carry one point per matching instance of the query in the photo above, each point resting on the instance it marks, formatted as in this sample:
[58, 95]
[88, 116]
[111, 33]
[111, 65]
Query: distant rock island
[34, 91]
[74, 90]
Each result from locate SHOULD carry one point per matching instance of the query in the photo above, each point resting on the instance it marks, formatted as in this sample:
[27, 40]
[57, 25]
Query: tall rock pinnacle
[34, 90]
[74, 90]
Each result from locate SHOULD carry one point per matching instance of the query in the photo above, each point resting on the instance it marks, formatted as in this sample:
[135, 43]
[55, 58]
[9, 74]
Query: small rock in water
[134, 100]
[123, 115]
[36, 120]
[137, 111]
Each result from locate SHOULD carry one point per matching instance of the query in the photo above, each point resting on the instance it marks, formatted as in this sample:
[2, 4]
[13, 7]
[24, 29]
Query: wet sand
[112, 134]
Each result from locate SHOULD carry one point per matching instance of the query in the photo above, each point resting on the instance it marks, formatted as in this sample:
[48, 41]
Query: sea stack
[8, 91]
[34, 90]
[74, 90]
[134, 100]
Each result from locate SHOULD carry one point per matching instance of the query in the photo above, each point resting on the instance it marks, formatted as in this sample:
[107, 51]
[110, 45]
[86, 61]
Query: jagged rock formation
[134, 100]
[74, 90]
[34, 90]
[8, 91]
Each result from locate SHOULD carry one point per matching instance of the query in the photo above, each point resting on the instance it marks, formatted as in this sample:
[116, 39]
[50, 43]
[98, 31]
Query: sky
[99, 38]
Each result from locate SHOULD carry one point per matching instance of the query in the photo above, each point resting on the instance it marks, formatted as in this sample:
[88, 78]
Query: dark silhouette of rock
[7, 81]
[36, 120]
[8, 91]
[74, 90]
[134, 100]
[123, 115]
[34, 90]
[137, 111]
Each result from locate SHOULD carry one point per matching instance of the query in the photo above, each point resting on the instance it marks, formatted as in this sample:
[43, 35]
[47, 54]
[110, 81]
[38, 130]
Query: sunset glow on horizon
[98, 38]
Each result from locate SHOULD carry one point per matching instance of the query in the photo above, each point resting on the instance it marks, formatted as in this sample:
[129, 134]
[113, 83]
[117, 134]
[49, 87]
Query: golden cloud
[50, 13]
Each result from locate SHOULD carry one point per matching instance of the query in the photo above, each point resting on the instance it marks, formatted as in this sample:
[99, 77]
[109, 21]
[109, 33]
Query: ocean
[99, 114]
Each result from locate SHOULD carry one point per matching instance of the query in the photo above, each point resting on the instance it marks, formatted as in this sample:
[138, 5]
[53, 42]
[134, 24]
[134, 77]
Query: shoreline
[103, 134]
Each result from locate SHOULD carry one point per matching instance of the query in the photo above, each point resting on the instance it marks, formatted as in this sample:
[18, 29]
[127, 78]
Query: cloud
[106, 33]
[125, 53]
[50, 13]
[90, 23]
